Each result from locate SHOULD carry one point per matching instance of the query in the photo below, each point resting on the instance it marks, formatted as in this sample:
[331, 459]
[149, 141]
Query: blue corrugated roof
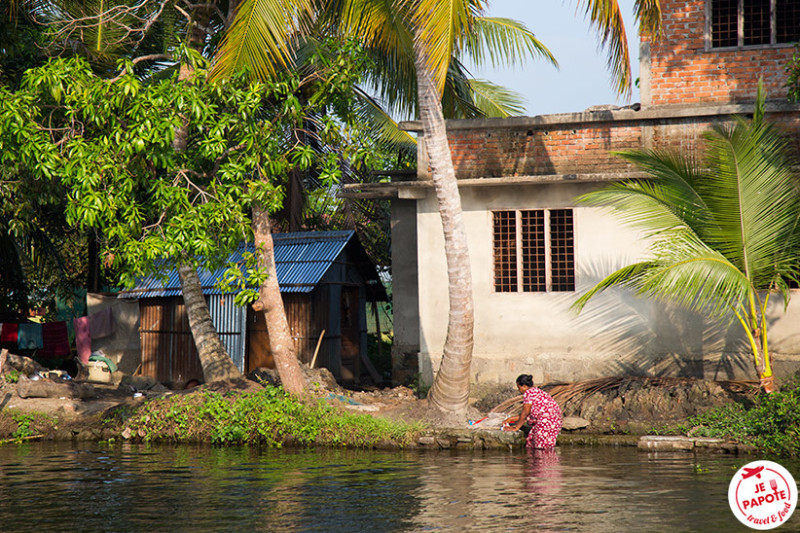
[301, 259]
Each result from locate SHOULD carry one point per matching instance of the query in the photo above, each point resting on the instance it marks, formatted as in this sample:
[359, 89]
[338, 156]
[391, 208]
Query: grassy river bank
[247, 413]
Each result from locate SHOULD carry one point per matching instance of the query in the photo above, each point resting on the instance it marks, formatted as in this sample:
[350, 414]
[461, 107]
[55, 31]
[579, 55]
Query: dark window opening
[534, 275]
[539, 246]
[563, 249]
[754, 22]
[787, 21]
[725, 23]
[505, 251]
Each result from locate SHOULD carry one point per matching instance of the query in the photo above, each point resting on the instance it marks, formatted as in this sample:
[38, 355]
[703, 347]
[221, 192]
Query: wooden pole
[316, 350]
[378, 328]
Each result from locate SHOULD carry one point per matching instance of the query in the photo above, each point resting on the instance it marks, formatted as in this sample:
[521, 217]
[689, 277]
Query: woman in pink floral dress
[541, 412]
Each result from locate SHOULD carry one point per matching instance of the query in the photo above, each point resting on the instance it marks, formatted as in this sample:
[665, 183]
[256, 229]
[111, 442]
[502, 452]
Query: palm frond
[504, 42]
[440, 27]
[259, 38]
[381, 25]
[666, 202]
[392, 77]
[386, 131]
[752, 191]
[606, 17]
[495, 100]
[648, 15]
[693, 275]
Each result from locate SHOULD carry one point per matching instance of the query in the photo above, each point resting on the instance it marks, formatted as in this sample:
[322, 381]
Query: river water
[91, 487]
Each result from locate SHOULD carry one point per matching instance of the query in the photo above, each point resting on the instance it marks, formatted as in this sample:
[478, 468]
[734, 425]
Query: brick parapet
[563, 145]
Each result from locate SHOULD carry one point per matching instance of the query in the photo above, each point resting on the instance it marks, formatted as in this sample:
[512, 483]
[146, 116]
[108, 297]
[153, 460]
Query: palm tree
[427, 34]
[440, 28]
[724, 237]
[240, 48]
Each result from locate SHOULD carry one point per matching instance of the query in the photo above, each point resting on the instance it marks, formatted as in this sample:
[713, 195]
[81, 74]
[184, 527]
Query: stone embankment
[467, 439]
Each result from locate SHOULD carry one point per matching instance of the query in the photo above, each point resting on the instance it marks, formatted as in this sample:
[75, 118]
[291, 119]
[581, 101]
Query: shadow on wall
[650, 337]
[556, 149]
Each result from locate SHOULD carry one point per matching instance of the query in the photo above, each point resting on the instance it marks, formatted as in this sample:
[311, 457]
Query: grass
[269, 417]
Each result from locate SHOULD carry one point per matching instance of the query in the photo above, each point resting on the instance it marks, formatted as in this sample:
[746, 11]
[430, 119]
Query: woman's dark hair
[525, 380]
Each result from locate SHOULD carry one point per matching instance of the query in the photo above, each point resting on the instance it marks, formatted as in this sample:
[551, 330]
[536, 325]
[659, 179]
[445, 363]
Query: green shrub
[771, 424]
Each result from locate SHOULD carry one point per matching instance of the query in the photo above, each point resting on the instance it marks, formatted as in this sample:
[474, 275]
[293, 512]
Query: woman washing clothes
[541, 412]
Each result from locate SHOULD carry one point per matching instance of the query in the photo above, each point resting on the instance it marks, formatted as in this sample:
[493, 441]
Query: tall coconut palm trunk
[270, 302]
[450, 391]
[214, 359]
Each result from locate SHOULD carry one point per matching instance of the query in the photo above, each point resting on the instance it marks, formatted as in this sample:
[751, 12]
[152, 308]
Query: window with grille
[534, 250]
[754, 22]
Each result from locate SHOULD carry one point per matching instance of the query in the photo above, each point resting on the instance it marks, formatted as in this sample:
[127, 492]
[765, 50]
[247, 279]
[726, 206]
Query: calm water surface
[58, 487]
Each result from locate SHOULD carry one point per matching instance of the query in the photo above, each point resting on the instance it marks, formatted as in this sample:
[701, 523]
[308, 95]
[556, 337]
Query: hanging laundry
[101, 323]
[83, 338]
[55, 339]
[9, 333]
[29, 336]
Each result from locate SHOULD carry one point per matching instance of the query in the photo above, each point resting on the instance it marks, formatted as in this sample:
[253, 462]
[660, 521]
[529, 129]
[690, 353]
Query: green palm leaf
[503, 42]
[495, 100]
[259, 37]
[383, 126]
[723, 236]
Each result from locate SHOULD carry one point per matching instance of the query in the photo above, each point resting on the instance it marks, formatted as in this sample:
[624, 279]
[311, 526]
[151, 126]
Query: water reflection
[54, 487]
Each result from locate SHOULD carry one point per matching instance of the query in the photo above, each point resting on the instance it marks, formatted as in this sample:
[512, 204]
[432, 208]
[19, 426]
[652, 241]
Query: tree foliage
[109, 145]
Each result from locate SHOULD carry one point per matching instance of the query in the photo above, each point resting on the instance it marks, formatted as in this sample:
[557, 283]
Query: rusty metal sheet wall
[168, 351]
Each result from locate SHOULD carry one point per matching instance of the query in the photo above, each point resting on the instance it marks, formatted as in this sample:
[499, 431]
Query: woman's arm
[520, 420]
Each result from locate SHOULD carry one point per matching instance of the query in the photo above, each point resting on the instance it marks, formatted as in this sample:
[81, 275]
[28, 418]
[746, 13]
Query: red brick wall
[569, 149]
[586, 148]
[683, 72]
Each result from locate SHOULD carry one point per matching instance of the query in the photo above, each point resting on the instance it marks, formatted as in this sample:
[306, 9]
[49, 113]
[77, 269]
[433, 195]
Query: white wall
[537, 333]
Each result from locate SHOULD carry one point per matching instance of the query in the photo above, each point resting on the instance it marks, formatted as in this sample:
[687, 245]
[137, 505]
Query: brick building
[518, 179]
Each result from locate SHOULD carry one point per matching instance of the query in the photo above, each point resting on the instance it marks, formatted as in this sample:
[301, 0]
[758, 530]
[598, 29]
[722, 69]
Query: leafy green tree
[158, 38]
[724, 233]
[111, 145]
[41, 258]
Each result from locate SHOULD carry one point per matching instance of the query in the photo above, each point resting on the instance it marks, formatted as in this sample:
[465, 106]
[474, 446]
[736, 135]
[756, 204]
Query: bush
[772, 424]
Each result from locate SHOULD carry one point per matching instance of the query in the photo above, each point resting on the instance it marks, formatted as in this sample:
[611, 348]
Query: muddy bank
[55, 408]
[619, 405]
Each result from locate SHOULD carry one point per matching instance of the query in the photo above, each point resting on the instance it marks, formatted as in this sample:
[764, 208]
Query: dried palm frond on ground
[638, 397]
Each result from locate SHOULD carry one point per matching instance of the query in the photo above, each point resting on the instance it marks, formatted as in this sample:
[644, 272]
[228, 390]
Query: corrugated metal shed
[301, 259]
